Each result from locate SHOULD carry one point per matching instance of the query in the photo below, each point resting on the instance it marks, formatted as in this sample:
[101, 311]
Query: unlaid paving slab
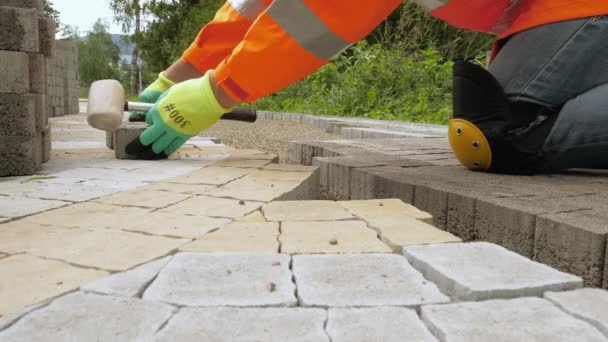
[290, 211]
[245, 324]
[406, 231]
[109, 249]
[26, 280]
[481, 271]
[89, 215]
[130, 283]
[19, 205]
[330, 237]
[239, 237]
[361, 280]
[212, 175]
[386, 324]
[172, 224]
[144, 198]
[590, 305]
[188, 189]
[523, 319]
[90, 317]
[396, 209]
[214, 207]
[225, 279]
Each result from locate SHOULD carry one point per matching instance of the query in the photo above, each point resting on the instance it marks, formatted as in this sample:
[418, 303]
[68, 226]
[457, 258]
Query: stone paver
[19, 206]
[243, 162]
[524, 319]
[130, 283]
[402, 232]
[254, 189]
[371, 210]
[212, 175]
[74, 192]
[289, 168]
[90, 317]
[213, 207]
[330, 237]
[588, 304]
[144, 198]
[106, 249]
[246, 324]
[26, 279]
[222, 279]
[239, 237]
[386, 324]
[189, 189]
[361, 280]
[480, 271]
[289, 211]
[172, 224]
[256, 216]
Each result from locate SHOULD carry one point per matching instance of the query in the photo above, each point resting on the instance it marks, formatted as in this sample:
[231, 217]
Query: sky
[84, 13]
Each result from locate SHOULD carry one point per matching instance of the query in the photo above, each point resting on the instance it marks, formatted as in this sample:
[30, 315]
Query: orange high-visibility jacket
[258, 47]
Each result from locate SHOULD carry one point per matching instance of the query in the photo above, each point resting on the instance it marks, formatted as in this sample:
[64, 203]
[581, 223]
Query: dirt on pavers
[265, 135]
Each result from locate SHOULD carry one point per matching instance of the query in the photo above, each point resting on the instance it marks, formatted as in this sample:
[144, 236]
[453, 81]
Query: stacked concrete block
[63, 80]
[28, 39]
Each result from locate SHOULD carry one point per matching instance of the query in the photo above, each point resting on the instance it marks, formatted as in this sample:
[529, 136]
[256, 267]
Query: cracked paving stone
[330, 237]
[90, 317]
[245, 324]
[28, 280]
[523, 319]
[371, 210]
[188, 189]
[129, 283]
[106, 249]
[386, 324]
[144, 198]
[239, 237]
[481, 270]
[588, 304]
[213, 207]
[289, 211]
[89, 215]
[361, 280]
[19, 206]
[225, 279]
[172, 224]
[212, 175]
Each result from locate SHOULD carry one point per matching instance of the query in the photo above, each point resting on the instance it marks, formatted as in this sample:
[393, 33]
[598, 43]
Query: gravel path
[265, 135]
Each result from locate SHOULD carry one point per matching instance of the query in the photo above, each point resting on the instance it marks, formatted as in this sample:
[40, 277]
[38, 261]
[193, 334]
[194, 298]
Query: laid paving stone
[130, 283]
[172, 224]
[590, 305]
[239, 237]
[212, 175]
[290, 168]
[125, 164]
[481, 271]
[387, 324]
[398, 233]
[144, 198]
[371, 210]
[28, 280]
[243, 162]
[10, 319]
[250, 324]
[330, 237]
[89, 317]
[189, 189]
[289, 211]
[361, 280]
[256, 216]
[119, 250]
[225, 279]
[5, 219]
[213, 207]
[75, 192]
[524, 319]
[252, 188]
[19, 205]
[281, 176]
[87, 215]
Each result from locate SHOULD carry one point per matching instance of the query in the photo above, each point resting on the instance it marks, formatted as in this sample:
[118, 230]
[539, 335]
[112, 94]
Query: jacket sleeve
[293, 38]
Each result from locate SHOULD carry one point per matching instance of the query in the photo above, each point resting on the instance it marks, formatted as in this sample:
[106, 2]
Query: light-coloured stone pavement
[219, 244]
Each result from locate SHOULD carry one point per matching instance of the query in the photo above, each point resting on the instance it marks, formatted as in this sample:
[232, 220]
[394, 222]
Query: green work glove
[187, 109]
[151, 95]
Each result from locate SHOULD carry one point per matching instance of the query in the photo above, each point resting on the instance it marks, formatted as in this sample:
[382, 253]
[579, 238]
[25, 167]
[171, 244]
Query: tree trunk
[135, 56]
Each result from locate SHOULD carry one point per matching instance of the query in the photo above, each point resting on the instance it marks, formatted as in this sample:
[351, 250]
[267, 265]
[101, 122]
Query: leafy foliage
[99, 56]
[51, 12]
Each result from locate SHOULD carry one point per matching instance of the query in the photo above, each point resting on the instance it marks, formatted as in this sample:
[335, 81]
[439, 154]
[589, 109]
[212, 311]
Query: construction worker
[542, 106]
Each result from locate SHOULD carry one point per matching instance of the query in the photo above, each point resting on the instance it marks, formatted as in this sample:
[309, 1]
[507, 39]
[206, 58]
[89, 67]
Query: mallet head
[106, 105]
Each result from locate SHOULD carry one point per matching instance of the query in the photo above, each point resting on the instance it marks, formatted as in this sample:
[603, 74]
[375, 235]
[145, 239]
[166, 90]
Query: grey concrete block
[461, 216]
[32, 4]
[41, 111]
[19, 29]
[17, 155]
[224, 279]
[573, 242]
[590, 305]
[387, 324]
[17, 115]
[38, 73]
[361, 280]
[434, 202]
[110, 139]
[14, 72]
[86, 317]
[46, 144]
[47, 30]
[525, 319]
[123, 135]
[245, 324]
[481, 271]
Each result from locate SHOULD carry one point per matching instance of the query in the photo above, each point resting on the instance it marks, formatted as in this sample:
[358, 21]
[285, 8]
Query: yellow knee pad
[470, 145]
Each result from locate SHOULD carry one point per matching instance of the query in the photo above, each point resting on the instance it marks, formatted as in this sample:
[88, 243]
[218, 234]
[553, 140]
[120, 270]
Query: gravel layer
[265, 135]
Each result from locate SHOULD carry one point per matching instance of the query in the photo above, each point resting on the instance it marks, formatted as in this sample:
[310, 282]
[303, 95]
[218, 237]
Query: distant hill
[126, 48]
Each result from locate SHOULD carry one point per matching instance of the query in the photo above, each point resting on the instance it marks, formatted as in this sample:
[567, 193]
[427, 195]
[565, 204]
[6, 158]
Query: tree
[51, 12]
[99, 56]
